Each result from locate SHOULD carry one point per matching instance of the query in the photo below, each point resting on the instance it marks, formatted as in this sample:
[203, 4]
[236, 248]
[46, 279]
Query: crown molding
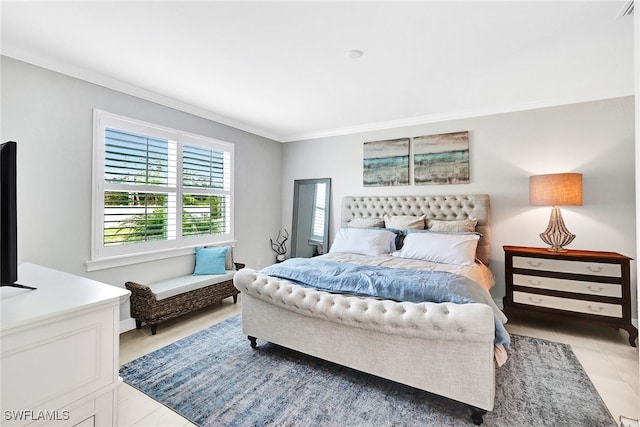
[126, 88]
[117, 85]
[455, 115]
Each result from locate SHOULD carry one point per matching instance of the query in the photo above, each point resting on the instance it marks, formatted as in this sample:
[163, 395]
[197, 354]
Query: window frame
[113, 256]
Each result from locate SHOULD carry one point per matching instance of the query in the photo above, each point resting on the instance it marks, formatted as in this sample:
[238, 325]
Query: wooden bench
[166, 299]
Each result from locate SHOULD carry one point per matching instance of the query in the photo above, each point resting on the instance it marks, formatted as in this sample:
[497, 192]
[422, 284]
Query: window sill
[123, 260]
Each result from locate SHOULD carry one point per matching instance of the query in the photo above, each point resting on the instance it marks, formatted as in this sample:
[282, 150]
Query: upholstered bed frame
[445, 348]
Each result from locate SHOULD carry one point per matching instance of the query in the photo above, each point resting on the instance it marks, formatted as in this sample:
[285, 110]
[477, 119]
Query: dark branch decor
[279, 245]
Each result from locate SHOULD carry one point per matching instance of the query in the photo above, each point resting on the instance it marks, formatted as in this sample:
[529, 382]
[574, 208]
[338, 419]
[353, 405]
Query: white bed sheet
[479, 272]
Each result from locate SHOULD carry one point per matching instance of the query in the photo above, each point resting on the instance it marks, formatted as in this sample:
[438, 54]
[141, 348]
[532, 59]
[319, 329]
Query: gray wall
[594, 138]
[50, 115]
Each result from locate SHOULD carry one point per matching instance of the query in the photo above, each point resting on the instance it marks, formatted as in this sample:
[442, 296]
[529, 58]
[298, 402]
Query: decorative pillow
[364, 241]
[442, 232]
[452, 226]
[228, 261]
[399, 237]
[402, 222]
[457, 249]
[211, 260]
[366, 222]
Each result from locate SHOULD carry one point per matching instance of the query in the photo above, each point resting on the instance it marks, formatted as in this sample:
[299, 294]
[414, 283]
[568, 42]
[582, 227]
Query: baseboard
[127, 325]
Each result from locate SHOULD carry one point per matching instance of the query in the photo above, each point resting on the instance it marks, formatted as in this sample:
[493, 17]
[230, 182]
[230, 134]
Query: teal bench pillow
[210, 260]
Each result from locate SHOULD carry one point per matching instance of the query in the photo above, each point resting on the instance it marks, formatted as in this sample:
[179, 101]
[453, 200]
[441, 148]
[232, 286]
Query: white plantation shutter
[135, 158]
[206, 178]
[131, 214]
[319, 213]
[157, 189]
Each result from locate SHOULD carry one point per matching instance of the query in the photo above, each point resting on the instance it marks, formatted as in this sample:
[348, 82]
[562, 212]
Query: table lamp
[555, 190]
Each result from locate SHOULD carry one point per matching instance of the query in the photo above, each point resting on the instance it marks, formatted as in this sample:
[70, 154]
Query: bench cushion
[179, 285]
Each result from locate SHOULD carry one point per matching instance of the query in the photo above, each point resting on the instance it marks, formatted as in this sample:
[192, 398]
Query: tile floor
[605, 354]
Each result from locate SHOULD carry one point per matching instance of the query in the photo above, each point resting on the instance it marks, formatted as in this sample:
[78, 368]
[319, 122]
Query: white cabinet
[59, 354]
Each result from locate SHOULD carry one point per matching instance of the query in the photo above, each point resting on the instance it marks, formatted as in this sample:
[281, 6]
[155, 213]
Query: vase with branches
[279, 246]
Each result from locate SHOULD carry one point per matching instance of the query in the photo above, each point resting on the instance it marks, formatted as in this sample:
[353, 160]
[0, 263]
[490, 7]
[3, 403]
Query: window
[157, 192]
[319, 213]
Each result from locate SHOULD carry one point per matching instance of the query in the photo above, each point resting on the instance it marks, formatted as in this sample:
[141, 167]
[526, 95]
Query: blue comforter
[389, 283]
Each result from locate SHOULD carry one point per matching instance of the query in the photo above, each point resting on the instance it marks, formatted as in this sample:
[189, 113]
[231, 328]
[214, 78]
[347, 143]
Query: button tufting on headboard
[453, 207]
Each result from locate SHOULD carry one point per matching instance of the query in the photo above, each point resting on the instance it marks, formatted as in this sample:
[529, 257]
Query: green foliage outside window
[135, 217]
[201, 215]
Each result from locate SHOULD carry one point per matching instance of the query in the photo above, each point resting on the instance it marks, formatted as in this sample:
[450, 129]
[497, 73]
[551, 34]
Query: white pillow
[457, 249]
[364, 241]
[402, 222]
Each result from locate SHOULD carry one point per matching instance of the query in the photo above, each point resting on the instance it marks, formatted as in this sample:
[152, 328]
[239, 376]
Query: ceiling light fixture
[355, 54]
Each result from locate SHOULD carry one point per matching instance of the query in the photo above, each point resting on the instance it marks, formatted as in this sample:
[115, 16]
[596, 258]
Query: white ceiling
[281, 70]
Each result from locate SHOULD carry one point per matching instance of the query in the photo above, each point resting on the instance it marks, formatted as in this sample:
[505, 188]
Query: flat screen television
[8, 216]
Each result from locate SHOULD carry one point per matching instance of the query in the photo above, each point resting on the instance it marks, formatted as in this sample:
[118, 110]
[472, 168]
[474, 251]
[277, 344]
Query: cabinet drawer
[579, 306]
[577, 286]
[52, 365]
[567, 266]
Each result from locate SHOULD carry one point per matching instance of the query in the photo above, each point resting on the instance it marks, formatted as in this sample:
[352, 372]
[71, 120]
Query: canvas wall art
[386, 163]
[441, 159]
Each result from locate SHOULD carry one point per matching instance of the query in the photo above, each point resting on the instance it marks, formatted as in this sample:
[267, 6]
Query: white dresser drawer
[567, 266]
[579, 306]
[577, 286]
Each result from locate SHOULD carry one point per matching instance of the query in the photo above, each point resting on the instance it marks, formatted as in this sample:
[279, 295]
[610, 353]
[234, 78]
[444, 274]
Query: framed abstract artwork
[386, 163]
[441, 159]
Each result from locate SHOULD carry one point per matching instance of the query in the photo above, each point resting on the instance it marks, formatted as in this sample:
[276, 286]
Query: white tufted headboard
[458, 207]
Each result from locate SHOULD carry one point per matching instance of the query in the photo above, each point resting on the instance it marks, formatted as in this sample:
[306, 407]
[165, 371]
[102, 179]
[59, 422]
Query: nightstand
[574, 285]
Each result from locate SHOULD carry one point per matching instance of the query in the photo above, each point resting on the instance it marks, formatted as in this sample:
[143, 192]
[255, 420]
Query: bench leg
[138, 324]
[235, 298]
[154, 328]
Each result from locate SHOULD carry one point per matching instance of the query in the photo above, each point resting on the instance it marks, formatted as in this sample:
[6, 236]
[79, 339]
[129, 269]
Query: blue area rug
[214, 378]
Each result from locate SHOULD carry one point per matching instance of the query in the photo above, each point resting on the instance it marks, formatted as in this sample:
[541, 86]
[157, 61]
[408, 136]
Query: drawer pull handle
[535, 300]
[534, 263]
[534, 282]
[592, 289]
[596, 269]
[596, 310]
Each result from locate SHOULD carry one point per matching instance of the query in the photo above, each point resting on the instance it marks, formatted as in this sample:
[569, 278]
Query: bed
[446, 348]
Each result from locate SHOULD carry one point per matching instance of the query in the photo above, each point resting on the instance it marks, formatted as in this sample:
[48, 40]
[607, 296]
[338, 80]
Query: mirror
[310, 230]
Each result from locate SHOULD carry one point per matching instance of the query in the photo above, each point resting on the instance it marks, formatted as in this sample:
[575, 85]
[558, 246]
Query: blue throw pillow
[210, 260]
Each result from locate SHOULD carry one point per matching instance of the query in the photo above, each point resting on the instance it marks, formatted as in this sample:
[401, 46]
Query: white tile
[133, 405]
[162, 417]
[617, 395]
